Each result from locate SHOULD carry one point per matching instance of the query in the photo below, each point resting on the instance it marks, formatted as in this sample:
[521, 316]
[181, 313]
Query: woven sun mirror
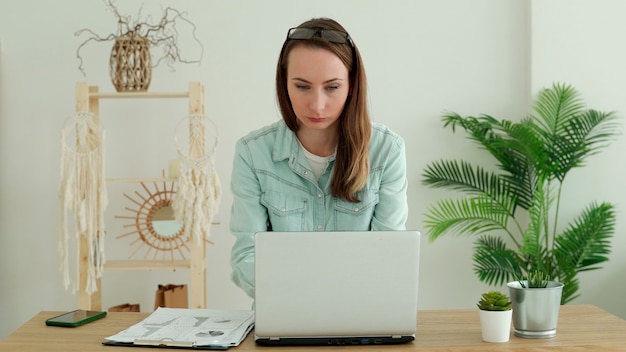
[169, 213]
[151, 223]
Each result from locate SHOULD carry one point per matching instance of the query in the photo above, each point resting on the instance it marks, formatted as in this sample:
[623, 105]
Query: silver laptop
[337, 288]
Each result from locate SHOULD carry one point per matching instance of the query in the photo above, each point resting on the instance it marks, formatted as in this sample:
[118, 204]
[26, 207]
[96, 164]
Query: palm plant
[521, 200]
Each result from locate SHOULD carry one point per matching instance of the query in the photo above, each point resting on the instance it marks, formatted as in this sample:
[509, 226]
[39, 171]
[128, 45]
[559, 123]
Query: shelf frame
[88, 100]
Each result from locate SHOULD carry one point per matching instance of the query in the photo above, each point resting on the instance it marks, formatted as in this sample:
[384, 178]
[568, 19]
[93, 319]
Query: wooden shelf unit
[88, 100]
[147, 264]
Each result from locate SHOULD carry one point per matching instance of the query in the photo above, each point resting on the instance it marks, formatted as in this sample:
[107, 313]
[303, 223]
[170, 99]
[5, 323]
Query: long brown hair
[351, 168]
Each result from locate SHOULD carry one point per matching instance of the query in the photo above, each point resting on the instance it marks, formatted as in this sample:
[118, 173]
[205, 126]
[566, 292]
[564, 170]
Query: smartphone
[75, 318]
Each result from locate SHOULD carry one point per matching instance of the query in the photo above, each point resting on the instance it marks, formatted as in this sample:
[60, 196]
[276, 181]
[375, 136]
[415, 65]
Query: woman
[325, 166]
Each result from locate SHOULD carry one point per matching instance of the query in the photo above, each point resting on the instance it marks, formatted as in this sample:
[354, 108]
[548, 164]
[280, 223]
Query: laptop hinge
[274, 338]
[396, 336]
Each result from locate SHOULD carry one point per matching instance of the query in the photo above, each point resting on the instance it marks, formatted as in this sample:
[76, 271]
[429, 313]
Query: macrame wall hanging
[191, 200]
[82, 190]
[199, 191]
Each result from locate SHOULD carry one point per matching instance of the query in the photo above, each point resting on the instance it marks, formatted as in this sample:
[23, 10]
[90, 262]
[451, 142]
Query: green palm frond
[572, 133]
[516, 147]
[494, 263]
[479, 129]
[461, 176]
[556, 106]
[536, 279]
[536, 233]
[583, 137]
[487, 131]
[467, 216]
[523, 158]
[570, 289]
[522, 149]
[484, 130]
[587, 242]
[464, 177]
[600, 128]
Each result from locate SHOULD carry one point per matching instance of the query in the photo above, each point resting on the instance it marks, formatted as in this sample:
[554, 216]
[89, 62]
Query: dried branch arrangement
[134, 42]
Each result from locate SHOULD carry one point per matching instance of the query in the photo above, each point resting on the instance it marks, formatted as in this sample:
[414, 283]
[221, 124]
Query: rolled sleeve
[391, 212]
[248, 216]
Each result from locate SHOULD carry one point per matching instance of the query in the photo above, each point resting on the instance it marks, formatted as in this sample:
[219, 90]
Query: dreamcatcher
[82, 190]
[198, 188]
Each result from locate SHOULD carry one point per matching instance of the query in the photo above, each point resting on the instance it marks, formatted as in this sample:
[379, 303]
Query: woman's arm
[248, 216]
[391, 212]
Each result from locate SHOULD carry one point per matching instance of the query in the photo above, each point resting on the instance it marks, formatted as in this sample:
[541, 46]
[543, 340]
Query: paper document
[193, 328]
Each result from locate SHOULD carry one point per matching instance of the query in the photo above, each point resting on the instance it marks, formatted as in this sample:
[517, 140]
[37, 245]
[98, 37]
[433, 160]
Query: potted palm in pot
[536, 303]
[513, 211]
[495, 316]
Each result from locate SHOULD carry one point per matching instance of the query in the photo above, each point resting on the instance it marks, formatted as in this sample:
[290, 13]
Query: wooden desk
[581, 328]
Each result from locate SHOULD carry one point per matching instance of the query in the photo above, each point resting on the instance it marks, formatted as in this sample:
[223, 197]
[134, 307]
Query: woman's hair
[351, 168]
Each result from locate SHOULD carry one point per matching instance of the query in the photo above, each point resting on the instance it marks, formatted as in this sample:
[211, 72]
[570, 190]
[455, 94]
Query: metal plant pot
[535, 310]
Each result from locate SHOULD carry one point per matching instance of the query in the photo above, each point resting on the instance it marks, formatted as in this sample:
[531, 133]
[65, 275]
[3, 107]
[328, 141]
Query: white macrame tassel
[83, 192]
[198, 188]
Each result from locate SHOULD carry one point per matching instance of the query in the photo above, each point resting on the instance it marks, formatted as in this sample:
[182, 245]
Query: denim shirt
[274, 189]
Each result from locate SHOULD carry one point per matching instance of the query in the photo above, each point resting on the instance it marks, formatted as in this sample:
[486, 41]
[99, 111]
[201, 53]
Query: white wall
[581, 42]
[422, 57]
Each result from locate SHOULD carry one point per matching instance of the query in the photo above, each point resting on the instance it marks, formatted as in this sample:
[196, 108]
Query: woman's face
[318, 86]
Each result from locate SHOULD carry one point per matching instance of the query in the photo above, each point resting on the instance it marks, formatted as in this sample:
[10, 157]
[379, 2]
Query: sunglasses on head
[331, 35]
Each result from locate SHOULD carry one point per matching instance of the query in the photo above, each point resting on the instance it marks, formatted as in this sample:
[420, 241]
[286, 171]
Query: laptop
[336, 288]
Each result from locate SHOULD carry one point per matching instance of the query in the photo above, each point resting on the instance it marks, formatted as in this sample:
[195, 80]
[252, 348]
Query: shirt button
[305, 172]
[283, 210]
[319, 196]
[319, 226]
[356, 210]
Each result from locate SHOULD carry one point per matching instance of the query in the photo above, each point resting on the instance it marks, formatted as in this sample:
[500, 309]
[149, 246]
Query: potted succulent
[517, 197]
[495, 316]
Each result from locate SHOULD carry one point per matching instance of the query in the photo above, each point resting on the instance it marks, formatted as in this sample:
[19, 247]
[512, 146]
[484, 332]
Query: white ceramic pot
[495, 325]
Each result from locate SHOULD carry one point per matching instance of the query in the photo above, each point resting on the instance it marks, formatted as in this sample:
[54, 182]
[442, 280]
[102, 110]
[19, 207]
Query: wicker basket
[131, 64]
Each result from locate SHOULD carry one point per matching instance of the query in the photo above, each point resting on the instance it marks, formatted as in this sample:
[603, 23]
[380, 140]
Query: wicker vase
[131, 64]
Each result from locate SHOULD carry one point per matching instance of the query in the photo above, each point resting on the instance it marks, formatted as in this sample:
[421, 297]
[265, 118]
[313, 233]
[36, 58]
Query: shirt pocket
[355, 216]
[286, 212]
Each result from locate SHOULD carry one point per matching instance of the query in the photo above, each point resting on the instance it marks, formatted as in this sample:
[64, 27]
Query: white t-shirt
[317, 163]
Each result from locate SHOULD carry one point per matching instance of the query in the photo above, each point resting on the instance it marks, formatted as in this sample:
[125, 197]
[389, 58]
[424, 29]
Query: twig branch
[162, 34]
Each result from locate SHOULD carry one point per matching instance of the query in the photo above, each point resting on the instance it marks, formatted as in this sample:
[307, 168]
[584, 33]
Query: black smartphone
[75, 318]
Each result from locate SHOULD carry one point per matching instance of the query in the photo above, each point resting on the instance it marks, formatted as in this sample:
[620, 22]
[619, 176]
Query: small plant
[536, 279]
[494, 301]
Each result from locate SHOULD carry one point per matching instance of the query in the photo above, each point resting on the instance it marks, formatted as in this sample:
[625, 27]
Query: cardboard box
[126, 307]
[171, 296]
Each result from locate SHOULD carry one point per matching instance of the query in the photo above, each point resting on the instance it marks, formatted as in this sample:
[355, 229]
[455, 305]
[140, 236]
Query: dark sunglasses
[331, 35]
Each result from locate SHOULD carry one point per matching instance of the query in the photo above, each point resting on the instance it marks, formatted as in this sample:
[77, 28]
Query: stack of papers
[192, 328]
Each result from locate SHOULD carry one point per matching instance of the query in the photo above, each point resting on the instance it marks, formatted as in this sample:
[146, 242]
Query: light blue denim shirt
[274, 189]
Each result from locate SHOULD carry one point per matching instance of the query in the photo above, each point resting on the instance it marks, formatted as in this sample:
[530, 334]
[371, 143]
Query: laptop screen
[343, 285]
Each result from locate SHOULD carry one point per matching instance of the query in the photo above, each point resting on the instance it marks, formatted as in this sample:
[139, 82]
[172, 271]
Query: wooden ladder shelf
[88, 100]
